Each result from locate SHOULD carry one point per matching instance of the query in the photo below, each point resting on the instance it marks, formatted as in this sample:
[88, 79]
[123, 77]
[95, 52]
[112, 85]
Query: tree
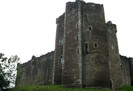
[8, 70]
[3, 82]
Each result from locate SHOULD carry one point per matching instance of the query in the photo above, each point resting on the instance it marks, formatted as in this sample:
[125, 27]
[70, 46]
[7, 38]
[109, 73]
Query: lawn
[61, 88]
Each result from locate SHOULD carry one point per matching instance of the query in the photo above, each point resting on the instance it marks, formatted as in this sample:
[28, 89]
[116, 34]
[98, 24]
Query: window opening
[77, 50]
[92, 58]
[77, 38]
[76, 25]
[90, 27]
[86, 48]
[86, 16]
[62, 41]
[61, 60]
[111, 84]
[95, 45]
[121, 67]
[62, 25]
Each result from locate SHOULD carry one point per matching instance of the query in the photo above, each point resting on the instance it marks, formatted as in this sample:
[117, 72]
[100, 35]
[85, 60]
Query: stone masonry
[86, 53]
[37, 71]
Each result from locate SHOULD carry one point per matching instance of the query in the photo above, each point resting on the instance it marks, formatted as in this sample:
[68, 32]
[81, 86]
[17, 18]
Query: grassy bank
[60, 88]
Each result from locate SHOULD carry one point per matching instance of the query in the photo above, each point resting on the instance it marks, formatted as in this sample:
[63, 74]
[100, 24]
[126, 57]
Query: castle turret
[72, 50]
[115, 70]
[95, 57]
[58, 59]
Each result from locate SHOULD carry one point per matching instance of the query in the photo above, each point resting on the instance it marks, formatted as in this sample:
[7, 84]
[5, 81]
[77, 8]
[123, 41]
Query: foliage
[3, 82]
[7, 70]
[61, 88]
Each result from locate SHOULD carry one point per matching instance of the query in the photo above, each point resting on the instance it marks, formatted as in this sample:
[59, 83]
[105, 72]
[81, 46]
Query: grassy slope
[60, 88]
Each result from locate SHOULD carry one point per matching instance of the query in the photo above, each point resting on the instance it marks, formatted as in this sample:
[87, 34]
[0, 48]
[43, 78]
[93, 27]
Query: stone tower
[86, 52]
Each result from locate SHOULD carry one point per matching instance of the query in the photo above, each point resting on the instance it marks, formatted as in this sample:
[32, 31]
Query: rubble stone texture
[86, 53]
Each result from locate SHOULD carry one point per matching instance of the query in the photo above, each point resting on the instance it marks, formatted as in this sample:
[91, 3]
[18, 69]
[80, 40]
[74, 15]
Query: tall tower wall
[113, 57]
[95, 57]
[71, 67]
[58, 59]
[86, 53]
[89, 51]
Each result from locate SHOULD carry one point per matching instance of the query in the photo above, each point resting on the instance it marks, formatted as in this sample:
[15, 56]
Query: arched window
[61, 59]
[92, 58]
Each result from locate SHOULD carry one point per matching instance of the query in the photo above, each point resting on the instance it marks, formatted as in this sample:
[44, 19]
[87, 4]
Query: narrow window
[61, 41]
[77, 50]
[111, 84]
[121, 67]
[90, 28]
[86, 48]
[86, 15]
[61, 60]
[77, 37]
[95, 45]
[62, 25]
[76, 25]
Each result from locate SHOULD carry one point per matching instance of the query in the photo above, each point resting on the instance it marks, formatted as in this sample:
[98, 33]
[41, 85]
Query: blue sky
[28, 27]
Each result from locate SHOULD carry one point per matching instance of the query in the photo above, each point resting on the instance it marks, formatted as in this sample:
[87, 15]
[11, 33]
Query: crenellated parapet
[111, 26]
[86, 53]
[37, 71]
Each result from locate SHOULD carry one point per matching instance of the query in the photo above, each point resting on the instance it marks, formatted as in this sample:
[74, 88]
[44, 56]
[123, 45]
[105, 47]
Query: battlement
[92, 6]
[86, 53]
[126, 58]
[111, 26]
[37, 71]
[60, 18]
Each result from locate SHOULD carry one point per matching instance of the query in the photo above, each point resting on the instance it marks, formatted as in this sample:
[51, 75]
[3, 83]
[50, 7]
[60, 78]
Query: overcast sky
[28, 27]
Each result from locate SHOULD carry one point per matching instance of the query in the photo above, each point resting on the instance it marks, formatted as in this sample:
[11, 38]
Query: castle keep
[86, 52]
[86, 48]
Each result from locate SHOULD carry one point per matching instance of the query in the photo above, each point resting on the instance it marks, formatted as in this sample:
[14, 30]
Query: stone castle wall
[59, 49]
[37, 71]
[86, 53]
[90, 51]
[127, 70]
[113, 57]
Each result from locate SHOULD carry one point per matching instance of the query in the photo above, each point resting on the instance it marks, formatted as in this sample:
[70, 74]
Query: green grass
[61, 88]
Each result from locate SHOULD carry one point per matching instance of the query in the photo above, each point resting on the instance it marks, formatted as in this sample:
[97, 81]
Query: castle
[86, 53]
